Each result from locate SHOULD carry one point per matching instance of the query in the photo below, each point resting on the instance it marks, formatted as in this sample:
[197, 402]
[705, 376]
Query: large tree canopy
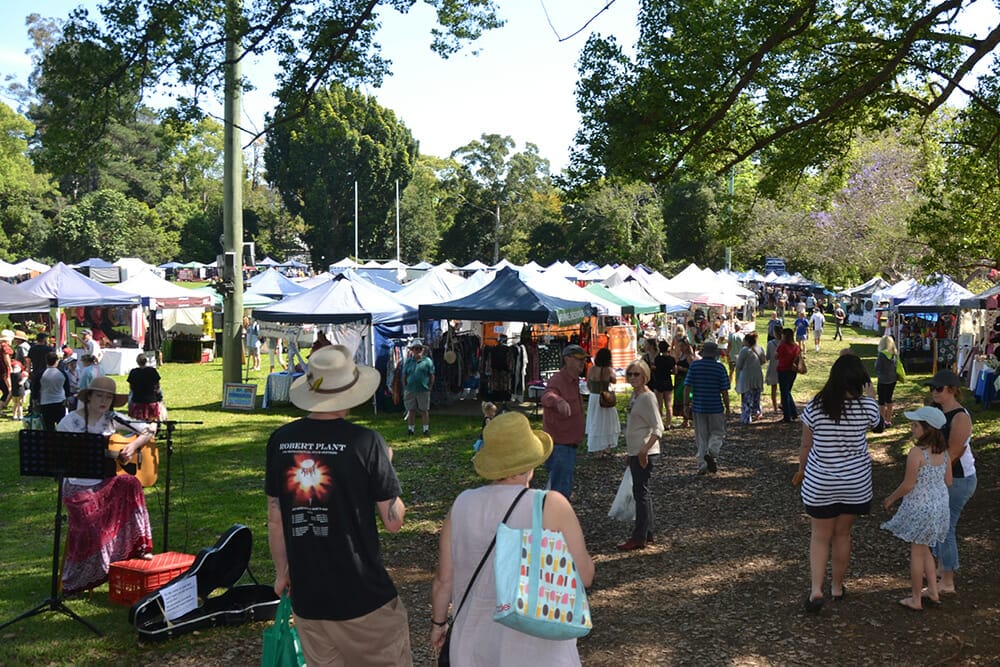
[344, 137]
[179, 47]
[786, 83]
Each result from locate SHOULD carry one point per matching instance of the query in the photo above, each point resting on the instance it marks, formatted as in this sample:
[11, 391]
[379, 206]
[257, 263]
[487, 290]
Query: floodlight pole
[232, 207]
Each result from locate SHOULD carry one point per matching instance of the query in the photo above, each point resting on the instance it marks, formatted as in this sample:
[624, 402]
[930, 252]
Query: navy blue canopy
[508, 299]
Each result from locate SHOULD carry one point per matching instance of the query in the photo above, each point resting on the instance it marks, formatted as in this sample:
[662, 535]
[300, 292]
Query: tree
[109, 224]
[23, 193]
[610, 222]
[197, 47]
[344, 137]
[852, 222]
[494, 183]
[788, 84]
[427, 207]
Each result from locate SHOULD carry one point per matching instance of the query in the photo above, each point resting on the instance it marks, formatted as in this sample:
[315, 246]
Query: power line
[580, 29]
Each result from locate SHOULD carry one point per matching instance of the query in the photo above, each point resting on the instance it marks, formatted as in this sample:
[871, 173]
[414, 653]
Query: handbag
[623, 506]
[539, 591]
[282, 647]
[900, 371]
[608, 399]
[444, 656]
[800, 365]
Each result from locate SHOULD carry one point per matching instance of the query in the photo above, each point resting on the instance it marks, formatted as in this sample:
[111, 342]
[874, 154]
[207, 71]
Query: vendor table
[277, 388]
[119, 361]
[985, 390]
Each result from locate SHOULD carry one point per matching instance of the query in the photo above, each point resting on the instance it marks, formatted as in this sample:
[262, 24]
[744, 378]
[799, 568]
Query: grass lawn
[217, 480]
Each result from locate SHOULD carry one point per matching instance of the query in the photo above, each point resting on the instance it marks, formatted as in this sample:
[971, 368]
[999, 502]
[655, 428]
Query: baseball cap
[574, 350]
[933, 416]
[944, 378]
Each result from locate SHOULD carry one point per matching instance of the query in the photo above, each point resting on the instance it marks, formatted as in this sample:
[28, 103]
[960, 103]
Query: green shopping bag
[282, 647]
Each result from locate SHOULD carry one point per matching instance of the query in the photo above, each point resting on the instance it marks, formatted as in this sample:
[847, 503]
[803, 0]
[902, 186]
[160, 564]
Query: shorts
[417, 400]
[801, 337]
[381, 637]
[884, 392]
[836, 509]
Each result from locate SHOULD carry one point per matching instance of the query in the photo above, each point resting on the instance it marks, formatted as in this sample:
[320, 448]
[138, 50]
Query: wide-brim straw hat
[18, 334]
[510, 447]
[104, 384]
[333, 381]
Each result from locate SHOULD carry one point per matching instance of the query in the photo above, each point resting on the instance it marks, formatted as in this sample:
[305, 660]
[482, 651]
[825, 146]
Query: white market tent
[564, 289]
[30, 265]
[132, 266]
[158, 292]
[435, 286]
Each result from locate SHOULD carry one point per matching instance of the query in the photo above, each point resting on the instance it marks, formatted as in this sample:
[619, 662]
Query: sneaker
[427, 431]
[631, 545]
[710, 462]
[409, 431]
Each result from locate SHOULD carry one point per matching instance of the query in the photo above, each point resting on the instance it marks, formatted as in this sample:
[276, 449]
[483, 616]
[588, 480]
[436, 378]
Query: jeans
[959, 492]
[643, 501]
[785, 381]
[838, 334]
[561, 464]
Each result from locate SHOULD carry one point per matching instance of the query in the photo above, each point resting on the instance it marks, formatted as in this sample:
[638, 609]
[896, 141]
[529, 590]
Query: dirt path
[725, 582]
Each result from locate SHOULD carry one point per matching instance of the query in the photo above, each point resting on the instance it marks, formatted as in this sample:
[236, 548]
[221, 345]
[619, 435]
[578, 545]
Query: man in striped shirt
[706, 403]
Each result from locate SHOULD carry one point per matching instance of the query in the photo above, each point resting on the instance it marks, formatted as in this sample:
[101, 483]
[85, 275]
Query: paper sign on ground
[179, 597]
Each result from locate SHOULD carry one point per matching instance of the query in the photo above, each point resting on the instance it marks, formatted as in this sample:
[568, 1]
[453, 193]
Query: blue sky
[520, 84]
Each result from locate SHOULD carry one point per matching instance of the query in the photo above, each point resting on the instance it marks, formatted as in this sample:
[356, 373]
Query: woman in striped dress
[835, 470]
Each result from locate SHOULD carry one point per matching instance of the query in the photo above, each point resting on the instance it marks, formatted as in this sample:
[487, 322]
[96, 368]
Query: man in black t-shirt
[325, 479]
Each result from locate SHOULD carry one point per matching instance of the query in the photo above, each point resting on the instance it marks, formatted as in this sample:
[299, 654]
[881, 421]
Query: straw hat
[7, 336]
[510, 447]
[18, 334]
[333, 381]
[104, 384]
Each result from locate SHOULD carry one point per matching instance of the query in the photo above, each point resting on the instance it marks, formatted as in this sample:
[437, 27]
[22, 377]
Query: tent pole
[371, 347]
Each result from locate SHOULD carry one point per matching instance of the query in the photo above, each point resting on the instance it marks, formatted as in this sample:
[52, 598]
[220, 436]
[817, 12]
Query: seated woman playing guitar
[108, 520]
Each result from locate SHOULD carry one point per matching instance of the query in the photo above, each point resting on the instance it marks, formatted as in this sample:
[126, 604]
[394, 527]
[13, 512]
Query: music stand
[56, 454]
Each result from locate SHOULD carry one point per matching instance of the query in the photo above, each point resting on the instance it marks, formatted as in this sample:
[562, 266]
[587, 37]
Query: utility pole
[232, 206]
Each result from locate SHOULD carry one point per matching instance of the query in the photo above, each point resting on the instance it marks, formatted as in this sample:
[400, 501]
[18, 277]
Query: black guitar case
[220, 566]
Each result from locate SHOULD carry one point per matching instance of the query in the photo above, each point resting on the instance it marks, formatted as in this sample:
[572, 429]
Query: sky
[520, 84]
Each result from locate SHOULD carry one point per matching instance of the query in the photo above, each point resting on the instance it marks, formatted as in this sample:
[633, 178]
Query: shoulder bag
[900, 371]
[539, 591]
[608, 398]
[444, 657]
[800, 365]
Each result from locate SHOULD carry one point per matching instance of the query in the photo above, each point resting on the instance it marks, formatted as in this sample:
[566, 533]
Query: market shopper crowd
[834, 473]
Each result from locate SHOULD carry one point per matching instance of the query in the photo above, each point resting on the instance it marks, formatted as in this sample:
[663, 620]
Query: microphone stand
[170, 425]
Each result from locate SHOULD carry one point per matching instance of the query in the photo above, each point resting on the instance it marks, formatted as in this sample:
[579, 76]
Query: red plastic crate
[129, 580]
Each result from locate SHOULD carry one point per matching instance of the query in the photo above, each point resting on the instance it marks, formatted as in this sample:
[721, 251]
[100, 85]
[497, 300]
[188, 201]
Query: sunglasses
[936, 388]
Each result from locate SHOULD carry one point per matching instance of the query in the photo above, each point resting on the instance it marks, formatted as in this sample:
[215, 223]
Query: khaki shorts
[417, 400]
[379, 638]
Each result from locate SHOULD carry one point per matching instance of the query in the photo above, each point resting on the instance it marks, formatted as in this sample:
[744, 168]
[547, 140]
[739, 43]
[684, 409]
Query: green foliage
[613, 222]
[502, 195]
[110, 225]
[787, 84]
[427, 206]
[23, 193]
[342, 137]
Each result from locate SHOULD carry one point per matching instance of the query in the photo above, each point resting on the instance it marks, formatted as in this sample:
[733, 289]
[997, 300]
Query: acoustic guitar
[144, 464]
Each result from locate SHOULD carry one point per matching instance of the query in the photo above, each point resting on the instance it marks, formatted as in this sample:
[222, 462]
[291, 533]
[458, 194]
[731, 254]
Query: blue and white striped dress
[838, 467]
